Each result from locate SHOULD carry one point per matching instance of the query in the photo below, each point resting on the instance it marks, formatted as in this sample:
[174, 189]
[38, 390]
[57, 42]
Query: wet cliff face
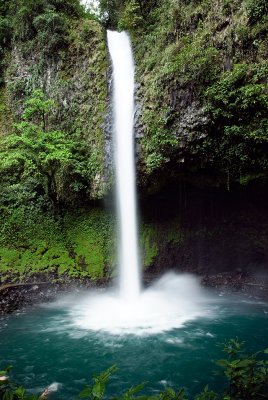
[202, 91]
[76, 78]
[207, 231]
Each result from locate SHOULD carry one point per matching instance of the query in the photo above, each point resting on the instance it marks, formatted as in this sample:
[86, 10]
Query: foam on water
[167, 304]
[54, 387]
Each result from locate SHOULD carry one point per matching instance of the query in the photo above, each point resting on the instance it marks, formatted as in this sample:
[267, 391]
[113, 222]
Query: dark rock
[18, 296]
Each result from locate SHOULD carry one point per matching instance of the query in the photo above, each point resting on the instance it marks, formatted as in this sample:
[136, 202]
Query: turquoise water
[45, 347]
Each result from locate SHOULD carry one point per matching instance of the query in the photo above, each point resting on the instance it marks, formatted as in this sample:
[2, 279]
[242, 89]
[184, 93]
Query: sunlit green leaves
[45, 163]
[247, 374]
[97, 390]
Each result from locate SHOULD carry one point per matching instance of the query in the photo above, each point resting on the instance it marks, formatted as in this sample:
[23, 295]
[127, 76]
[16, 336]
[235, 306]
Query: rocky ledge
[16, 296]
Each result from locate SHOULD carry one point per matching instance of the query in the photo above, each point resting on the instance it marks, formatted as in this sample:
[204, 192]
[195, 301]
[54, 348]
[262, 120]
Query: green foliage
[79, 245]
[39, 24]
[194, 61]
[148, 245]
[72, 8]
[90, 236]
[159, 143]
[175, 234]
[24, 12]
[239, 91]
[130, 18]
[207, 395]
[119, 13]
[5, 113]
[256, 10]
[97, 390]
[5, 36]
[31, 15]
[5, 32]
[238, 103]
[10, 390]
[110, 11]
[52, 29]
[174, 65]
[32, 242]
[204, 64]
[247, 375]
[41, 165]
[42, 171]
[37, 108]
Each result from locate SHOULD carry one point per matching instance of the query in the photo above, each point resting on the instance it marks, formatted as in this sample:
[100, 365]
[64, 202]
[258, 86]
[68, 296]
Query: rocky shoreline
[17, 296]
[238, 282]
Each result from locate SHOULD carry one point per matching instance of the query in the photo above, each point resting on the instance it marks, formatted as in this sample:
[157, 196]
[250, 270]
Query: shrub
[256, 9]
[238, 104]
[51, 30]
[43, 165]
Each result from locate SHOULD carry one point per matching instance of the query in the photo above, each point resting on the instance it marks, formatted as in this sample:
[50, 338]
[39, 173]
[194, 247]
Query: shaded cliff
[202, 90]
[62, 51]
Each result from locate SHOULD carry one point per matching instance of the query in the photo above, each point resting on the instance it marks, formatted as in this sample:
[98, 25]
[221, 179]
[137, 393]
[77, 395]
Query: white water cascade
[174, 299]
[123, 111]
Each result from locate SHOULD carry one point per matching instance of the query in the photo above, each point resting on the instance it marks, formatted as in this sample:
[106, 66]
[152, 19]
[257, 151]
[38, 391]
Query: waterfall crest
[124, 154]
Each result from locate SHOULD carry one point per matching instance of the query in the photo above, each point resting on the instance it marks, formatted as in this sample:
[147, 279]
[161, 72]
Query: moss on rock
[80, 245]
[5, 113]
[187, 49]
[149, 245]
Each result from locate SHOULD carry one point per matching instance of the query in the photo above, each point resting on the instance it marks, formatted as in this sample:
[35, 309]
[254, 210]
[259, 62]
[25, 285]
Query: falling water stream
[123, 110]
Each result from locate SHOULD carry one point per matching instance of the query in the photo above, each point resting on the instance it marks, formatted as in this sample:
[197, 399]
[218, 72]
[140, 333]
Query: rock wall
[200, 88]
[208, 231]
[76, 78]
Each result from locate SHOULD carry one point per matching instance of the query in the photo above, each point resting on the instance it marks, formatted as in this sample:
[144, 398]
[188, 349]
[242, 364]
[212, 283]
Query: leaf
[133, 390]
[85, 393]
[167, 394]
[98, 390]
[181, 394]
[244, 363]
[3, 373]
[104, 376]
[8, 395]
[20, 392]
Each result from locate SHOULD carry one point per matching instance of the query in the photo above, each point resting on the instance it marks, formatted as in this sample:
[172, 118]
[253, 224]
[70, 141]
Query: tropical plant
[41, 164]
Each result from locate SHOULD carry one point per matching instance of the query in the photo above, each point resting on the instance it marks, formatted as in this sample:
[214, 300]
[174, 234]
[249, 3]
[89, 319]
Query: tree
[41, 165]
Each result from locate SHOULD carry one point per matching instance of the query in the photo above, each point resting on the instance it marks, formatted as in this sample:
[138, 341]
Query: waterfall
[123, 123]
[173, 300]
